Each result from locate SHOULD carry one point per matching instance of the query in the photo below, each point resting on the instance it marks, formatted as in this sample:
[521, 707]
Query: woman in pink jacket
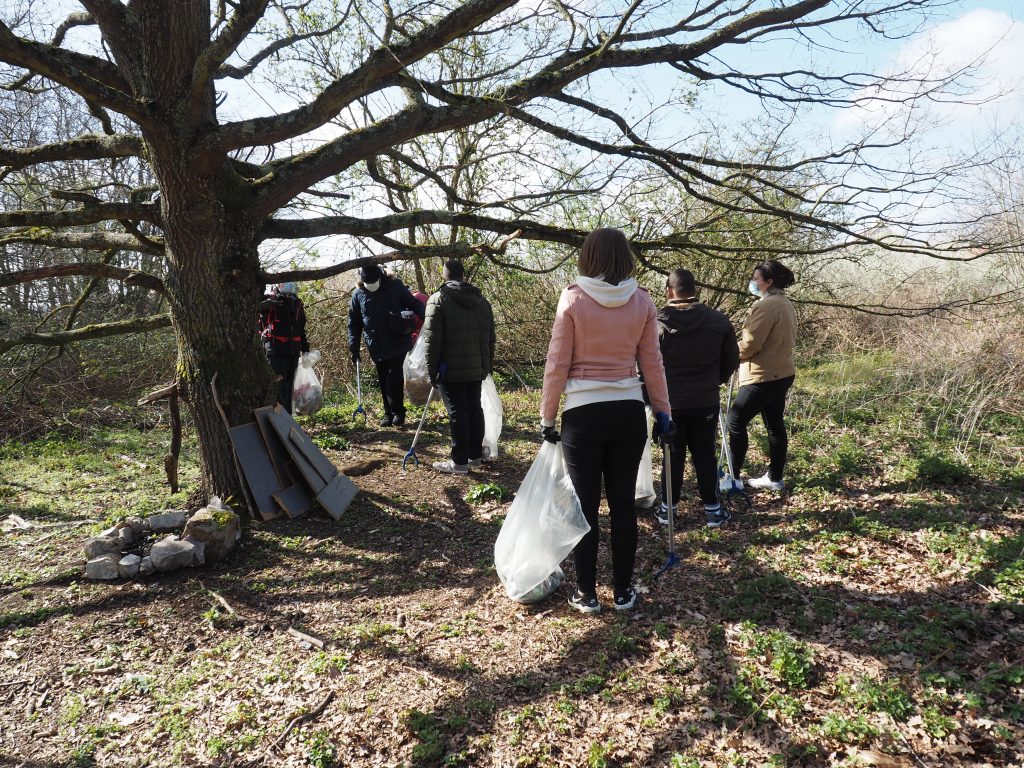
[605, 324]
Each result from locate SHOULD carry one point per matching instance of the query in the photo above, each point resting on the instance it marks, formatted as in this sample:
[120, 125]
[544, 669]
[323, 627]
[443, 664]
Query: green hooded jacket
[459, 332]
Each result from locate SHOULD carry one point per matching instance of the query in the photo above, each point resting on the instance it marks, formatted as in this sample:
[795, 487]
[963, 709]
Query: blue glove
[438, 379]
[550, 434]
[664, 428]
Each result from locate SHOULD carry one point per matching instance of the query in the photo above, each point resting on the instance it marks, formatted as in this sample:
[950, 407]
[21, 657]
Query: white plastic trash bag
[645, 495]
[417, 380]
[543, 525]
[493, 414]
[307, 392]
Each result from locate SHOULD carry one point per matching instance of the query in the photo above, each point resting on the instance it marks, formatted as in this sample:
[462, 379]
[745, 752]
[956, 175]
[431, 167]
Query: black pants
[769, 399]
[465, 418]
[284, 366]
[605, 440]
[391, 380]
[695, 430]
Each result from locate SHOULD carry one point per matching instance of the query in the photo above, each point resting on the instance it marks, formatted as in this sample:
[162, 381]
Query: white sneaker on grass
[765, 483]
[451, 468]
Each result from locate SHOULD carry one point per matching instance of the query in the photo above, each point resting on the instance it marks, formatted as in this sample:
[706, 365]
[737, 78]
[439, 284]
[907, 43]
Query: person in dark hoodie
[698, 345]
[283, 330]
[383, 310]
[458, 337]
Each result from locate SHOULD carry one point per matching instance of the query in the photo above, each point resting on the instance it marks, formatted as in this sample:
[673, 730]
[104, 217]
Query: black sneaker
[661, 513]
[625, 599]
[385, 420]
[584, 603]
[719, 518]
[398, 422]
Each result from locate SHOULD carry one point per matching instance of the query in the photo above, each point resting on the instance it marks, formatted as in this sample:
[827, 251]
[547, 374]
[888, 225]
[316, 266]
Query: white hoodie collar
[605, 294]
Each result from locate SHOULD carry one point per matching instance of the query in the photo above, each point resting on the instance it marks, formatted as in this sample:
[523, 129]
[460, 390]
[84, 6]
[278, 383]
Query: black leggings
[466, 419]
[391, 380]
[285, 366]
[605, 440]
[769, 399]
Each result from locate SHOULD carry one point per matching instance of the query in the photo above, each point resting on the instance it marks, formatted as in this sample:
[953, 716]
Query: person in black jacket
[382, 310]
[283, 330]
[698, 345]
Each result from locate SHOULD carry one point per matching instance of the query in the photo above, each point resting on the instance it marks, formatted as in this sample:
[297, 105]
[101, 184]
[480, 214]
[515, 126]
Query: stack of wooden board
[284, 469]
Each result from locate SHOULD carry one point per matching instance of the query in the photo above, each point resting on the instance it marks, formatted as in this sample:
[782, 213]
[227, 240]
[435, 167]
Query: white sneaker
[451, 468]
[765, 483]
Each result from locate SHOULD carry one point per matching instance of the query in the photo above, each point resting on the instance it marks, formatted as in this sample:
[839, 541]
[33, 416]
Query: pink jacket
[591, 341]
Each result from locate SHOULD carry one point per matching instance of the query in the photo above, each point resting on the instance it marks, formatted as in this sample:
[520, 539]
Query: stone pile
[131, 548]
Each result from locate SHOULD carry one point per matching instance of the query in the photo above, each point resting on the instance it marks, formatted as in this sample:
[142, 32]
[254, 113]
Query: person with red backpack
[283, 330]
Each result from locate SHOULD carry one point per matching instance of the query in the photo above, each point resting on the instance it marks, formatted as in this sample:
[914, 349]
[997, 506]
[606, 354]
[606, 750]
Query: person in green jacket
[767, 370]
[458, 337]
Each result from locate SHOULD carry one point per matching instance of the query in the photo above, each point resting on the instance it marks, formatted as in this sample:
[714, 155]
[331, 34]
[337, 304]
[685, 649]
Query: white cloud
[988, 44]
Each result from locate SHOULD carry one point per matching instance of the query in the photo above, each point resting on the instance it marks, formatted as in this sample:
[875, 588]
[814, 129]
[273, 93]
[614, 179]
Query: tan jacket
[767, 341]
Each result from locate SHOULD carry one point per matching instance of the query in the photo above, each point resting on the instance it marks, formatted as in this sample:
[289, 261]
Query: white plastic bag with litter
[645, 495]
[493, 415]
[307, 391]
[543, 525]
[417, 380]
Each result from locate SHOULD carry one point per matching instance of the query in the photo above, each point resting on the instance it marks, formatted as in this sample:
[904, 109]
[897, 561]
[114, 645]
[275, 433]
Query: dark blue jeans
[466, 419]
[695, 430]
[767, 398]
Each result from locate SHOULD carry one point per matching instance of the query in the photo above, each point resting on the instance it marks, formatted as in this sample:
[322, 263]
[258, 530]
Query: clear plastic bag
[543, 525]
[307, 392]
[417, 380]
[493, 415]
[645, 495]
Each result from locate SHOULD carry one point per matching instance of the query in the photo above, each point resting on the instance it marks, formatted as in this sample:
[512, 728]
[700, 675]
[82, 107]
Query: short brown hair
[681, 281]
[606, 252]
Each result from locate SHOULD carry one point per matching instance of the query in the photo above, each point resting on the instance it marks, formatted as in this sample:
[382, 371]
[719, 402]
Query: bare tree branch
[86, 332]
[94, 269]
[91, 146]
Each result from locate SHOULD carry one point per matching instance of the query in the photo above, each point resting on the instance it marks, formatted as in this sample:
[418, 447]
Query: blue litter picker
[666, 481]
[411, 453]
[359, 411]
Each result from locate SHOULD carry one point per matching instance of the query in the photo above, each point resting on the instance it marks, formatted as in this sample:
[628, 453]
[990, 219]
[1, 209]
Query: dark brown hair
[606, 252]
[453, 270]
[681, 282]
[780, 275]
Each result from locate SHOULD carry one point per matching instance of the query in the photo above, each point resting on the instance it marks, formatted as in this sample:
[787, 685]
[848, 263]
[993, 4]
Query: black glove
[355, 355]
[664, 428]
[550, 434]
[305, 347]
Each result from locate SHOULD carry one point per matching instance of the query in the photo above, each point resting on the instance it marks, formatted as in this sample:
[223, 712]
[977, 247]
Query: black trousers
[767, 398]
[465, 419]
[391, 380]
[605, 441]
[695, 430]
[284, 366]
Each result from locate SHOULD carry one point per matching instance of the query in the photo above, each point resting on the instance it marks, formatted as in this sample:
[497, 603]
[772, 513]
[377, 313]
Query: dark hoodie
[368, 316]
[699, 348]
[459, 332]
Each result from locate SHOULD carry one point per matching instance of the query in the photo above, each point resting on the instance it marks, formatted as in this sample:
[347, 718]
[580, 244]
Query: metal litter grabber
[359, 396]
[411, 453]
[666, 482]
[728, 482]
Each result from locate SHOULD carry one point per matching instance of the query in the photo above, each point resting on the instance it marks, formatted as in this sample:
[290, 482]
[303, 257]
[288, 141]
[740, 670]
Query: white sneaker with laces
[765, 483]
[451, 468]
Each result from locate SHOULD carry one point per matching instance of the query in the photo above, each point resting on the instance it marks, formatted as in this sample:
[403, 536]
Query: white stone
[98, 546]
[103, 567]
[200, 549]
[171, 553]
[136, 524]
[218, 529]
[126, 536]
[146, 566]
[167, 521]
[128, 566]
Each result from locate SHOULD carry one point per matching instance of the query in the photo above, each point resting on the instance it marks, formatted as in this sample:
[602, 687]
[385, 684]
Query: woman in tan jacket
[766, 372]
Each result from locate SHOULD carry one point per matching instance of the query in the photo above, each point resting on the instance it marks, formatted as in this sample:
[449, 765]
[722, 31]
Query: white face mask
[372, 287]
[752, 287]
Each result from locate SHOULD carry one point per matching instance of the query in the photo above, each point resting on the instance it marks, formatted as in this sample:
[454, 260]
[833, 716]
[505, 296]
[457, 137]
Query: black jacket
[699, 348]
[283, 324]
[368, 314]
[459, 332]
